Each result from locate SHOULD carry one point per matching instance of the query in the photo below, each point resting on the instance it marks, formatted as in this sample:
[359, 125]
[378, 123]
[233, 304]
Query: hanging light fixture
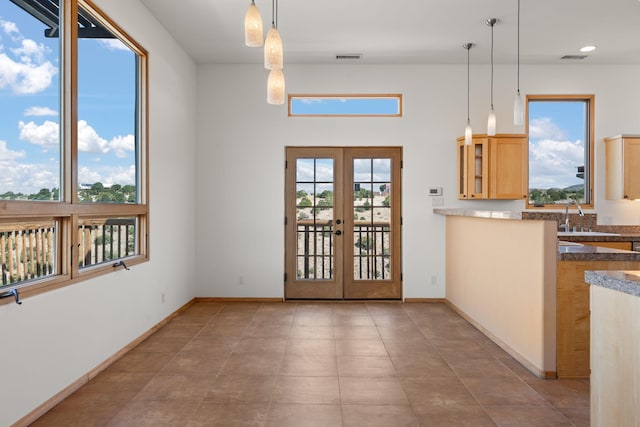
[491, 121]
[275, 87]
[468, 133]
[253, 26]
[518, 107]
[273, 52]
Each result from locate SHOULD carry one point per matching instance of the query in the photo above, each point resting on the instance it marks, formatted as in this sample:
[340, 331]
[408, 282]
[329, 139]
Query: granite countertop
[622, 237]
[621, 281]
[577, 252]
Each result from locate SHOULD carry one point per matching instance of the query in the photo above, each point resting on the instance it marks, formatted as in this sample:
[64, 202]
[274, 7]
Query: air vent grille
[574, 57]
[349, 56]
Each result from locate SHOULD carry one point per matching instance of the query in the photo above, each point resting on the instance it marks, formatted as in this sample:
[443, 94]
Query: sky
[29, 107]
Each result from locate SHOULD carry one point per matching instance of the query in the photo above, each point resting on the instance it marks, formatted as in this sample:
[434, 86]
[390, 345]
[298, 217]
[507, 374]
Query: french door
[343, 219]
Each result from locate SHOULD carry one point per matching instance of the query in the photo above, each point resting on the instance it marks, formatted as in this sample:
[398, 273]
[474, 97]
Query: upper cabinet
[622, 154]
[493, 167]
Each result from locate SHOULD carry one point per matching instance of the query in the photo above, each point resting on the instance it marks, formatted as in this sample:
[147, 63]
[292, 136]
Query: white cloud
[123, 144]
[544, 128]
[108, 175]
[40, 111]
[89, 141]
[8, 27]
[553, 163]
[46, 135]
[114, 44]
[7, 155]
[27, 71]
[25, 178]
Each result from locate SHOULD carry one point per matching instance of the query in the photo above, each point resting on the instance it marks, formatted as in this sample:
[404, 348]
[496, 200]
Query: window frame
[69, 210]
[397, 96]
[589, 156]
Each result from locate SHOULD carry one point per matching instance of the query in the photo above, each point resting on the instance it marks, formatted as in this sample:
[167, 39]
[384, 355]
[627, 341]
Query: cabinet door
[614, 169]
[631, 154]
[462, 170]
[478, 166]
[508, 167]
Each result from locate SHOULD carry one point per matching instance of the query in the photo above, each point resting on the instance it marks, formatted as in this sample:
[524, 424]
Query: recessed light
[589, 48]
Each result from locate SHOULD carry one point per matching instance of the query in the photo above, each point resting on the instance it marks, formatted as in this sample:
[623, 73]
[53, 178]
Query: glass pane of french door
[331, 254]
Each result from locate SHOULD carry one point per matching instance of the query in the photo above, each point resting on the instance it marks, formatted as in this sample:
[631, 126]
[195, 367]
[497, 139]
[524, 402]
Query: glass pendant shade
[468, 133]
[275, 87]
[491, 123]
[253, 32]
[273, 53]
[518, 110]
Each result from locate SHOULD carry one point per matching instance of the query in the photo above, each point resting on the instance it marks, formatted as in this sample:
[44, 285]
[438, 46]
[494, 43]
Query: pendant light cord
[468, 81]
[492, 66]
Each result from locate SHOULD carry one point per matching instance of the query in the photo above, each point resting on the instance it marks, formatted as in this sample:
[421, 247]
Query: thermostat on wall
[435, 191]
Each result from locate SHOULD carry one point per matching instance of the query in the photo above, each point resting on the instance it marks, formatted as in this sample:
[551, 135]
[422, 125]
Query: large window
[73, 149]
[560, 131]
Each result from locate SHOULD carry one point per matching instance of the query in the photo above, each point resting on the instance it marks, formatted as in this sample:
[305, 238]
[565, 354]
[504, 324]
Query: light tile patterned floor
[320, 364]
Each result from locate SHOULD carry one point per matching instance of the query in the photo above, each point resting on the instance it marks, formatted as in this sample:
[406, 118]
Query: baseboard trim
[237, 299]
[426, 300]
[513, 353]
[46, 406]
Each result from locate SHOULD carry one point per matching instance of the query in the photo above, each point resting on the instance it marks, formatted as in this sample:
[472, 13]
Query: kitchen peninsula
[513, 280]
[615, 350]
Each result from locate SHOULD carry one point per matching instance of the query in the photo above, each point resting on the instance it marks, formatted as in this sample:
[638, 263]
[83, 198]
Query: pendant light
[253, 26]
[273, 53]
[468, 133]
[275, 87]
[518, 107]
[491, 121]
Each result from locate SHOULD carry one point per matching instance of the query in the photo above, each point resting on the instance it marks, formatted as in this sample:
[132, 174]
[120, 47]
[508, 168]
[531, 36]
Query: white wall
[54, 338]
[241, 155]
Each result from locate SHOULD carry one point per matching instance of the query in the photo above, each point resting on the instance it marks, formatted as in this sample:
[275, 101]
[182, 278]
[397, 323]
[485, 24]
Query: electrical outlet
[241, 280]
[434, 280]
[162, 297]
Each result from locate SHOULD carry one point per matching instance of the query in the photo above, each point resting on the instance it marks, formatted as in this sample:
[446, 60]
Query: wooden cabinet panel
[622, 165]
[493, 167]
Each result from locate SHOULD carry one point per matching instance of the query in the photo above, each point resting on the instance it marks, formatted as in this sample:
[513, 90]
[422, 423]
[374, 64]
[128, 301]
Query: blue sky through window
[556, 143]
[345, 106]
[29, 107]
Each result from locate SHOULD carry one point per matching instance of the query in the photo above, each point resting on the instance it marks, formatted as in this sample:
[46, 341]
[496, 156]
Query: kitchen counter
[621, 281]
[578, 252]
[622, 237]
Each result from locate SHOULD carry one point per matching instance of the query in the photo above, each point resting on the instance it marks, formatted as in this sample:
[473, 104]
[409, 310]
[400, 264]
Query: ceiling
[409, 31]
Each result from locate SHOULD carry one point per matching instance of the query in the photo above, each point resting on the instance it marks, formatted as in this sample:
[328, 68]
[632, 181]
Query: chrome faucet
[565, 226]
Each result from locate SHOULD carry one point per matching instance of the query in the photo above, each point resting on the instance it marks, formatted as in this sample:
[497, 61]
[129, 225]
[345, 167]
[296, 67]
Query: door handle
[338, 221]
[338, 232]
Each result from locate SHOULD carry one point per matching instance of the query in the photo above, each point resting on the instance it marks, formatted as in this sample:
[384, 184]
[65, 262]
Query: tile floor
[320, 364]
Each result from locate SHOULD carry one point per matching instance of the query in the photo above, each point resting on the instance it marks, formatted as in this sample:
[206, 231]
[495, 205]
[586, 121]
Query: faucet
[565, 226]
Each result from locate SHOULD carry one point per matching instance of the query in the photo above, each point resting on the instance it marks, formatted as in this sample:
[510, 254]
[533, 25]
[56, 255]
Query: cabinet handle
[626, 196]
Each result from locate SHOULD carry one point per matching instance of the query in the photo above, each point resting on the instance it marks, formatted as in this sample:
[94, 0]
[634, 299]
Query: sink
[585, 233]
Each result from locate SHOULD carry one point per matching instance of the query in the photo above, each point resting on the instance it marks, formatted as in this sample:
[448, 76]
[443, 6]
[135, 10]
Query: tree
[128, 188]
[97, 186]
[305, 202]
[116, 187]
[301, 193]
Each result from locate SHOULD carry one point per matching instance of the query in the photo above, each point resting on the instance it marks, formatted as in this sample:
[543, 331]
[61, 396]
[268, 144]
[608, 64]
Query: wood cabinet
[493, 167]
[622, 165]
[572, 314]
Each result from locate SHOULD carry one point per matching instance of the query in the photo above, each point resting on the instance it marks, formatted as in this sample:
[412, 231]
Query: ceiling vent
[574, 57]
[349, 56]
